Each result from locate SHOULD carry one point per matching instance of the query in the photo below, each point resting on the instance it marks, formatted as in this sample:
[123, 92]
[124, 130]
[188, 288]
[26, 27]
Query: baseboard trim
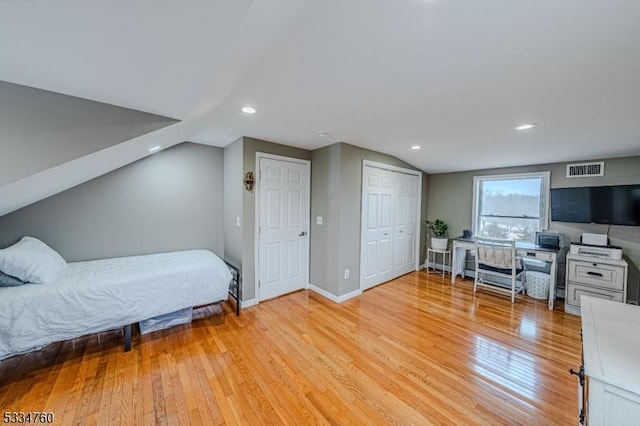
[438, 266]
[247, 303]
[337, 299]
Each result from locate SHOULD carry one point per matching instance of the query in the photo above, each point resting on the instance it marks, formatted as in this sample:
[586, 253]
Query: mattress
[89, 297]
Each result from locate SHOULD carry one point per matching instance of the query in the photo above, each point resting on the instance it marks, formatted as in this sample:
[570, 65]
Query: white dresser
[602, 278]
[611, 353]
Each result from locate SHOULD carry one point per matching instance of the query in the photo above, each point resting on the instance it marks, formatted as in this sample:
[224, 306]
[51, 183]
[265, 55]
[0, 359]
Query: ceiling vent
[585, 169]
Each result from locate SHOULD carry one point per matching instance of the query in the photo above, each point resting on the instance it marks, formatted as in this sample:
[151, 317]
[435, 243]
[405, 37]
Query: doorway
[283, 225]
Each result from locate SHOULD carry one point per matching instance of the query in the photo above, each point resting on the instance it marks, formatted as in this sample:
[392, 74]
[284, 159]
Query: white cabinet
[601, 278]
[611, 368]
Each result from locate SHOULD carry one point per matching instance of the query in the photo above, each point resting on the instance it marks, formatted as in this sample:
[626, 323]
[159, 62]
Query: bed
[95, 296]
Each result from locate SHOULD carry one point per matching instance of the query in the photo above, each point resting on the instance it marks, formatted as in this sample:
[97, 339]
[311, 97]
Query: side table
[435, 252]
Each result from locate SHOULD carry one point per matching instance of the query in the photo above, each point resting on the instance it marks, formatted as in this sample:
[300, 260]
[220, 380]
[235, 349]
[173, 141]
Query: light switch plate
[318, 220]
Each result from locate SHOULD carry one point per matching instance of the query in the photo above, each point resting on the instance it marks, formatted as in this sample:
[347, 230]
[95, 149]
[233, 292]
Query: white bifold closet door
[389, 217]
[405, 210]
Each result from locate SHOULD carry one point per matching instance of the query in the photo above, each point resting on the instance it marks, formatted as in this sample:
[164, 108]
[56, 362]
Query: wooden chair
[498, 259]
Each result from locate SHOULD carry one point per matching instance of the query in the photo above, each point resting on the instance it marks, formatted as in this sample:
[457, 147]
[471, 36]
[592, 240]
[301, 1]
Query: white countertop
[611, 342]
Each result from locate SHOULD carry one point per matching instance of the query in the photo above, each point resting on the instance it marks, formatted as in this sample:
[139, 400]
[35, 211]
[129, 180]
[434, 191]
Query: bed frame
[235, 291]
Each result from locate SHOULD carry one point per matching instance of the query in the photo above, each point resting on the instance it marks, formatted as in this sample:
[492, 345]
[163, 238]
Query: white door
[390, 216]
[283, 232]
[404, 223]
[377, 219]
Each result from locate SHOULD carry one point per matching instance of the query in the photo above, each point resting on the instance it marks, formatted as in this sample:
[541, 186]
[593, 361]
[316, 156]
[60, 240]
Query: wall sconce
[249, 180]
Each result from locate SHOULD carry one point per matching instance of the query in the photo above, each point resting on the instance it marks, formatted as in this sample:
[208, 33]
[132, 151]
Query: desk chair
[497, 259]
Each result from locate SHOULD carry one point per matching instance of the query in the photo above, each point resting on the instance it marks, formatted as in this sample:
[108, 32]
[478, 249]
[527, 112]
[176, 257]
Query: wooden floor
[415, 350]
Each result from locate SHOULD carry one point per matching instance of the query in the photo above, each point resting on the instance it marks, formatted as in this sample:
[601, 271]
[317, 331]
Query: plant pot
[439, 243]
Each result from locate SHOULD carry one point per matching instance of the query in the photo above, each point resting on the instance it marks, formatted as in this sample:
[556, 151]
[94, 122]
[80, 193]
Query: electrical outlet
[346, 274]
[238, 221]
[318, 220]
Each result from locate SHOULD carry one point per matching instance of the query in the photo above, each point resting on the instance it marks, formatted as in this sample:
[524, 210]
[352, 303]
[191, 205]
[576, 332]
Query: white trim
[397, 169]
[280, 158]
[546, 178]
[363, 200]
[418, 221]
[437, 266]
[256, 225]
[333, 297]
[391, 168]
[247, 303]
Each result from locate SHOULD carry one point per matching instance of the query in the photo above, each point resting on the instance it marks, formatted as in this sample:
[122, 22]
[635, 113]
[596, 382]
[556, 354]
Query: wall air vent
[585, 169]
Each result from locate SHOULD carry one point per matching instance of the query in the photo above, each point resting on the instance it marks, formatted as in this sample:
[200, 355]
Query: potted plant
[439, 233]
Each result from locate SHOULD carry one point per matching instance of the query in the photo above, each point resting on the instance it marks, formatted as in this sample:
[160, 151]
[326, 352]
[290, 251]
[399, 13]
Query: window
[512, 206]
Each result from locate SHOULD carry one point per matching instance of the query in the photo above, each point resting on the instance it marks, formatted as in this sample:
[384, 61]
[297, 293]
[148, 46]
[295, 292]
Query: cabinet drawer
[574, 291]
[540, 255]
[598, 274]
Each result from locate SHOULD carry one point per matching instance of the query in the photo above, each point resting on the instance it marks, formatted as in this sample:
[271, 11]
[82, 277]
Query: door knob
[302, 234]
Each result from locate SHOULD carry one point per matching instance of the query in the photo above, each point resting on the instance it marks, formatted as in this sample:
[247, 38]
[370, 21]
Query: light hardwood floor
[415, 350]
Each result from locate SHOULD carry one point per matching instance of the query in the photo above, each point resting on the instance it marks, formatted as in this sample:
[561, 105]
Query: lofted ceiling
[453, 76]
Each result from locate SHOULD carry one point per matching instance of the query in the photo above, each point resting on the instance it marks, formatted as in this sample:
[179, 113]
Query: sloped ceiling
[452, 76]
[41, 129]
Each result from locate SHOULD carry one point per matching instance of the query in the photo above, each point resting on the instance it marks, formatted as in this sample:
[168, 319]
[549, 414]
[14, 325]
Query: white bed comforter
[89, 297]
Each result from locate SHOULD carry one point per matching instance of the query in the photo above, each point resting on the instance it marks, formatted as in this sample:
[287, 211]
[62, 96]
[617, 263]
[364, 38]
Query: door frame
[391, 168]
[260, 155]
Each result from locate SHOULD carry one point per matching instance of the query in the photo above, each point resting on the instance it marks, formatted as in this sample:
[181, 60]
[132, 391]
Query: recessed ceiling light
[525, 126]
[416, 147]
[248, 110]
[155, 148]
[323, 135]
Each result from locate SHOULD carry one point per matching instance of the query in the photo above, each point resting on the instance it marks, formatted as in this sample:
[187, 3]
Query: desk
[524, 250]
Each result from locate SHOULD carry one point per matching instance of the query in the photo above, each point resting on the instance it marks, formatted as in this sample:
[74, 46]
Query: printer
[551, 240]
[596, 246]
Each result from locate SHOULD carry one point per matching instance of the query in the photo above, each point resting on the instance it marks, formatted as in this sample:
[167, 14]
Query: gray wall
[41, 129]
[450, 198]
[325, 202]
[189, 196]
[340, 167]
[233, 187]
[168, 201]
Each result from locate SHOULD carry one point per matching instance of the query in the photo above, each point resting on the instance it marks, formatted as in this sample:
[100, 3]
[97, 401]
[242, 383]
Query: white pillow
[32, 261]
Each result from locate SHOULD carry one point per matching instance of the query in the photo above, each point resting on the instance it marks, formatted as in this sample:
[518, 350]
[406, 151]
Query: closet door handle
[302, 234]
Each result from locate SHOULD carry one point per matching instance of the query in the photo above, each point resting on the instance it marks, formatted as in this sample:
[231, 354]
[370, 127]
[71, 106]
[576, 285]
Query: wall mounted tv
[613, 205]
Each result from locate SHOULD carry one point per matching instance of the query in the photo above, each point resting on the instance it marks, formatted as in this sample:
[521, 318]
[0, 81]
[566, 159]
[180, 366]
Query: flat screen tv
[613, 205]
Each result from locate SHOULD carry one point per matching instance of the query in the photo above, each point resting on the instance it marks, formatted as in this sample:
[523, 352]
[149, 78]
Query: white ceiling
[452, 76]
